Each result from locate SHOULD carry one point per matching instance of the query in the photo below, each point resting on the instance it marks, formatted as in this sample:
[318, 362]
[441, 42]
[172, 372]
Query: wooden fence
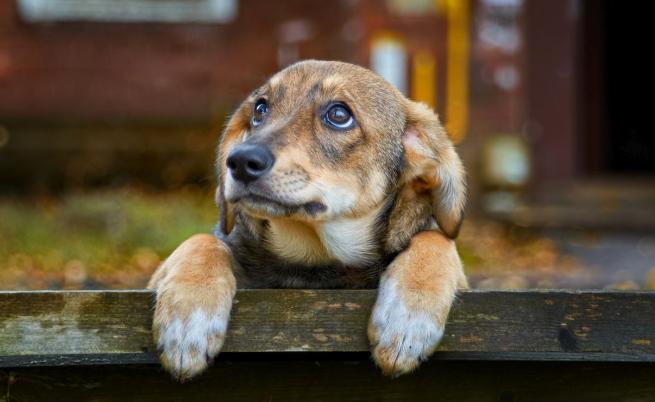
[304, 345]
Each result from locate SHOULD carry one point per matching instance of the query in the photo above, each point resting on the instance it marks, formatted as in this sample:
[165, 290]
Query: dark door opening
[617, 99]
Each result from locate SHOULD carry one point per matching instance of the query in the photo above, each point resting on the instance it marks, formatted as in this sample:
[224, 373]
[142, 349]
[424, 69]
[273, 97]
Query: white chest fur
[350, 241]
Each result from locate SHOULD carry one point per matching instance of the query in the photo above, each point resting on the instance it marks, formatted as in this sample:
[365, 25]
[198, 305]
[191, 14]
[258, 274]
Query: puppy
[328, 177]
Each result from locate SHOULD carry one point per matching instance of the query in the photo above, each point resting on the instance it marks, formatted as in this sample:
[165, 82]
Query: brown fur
[338, 207]
[197, 276]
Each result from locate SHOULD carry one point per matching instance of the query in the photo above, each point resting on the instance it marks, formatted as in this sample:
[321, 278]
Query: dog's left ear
[226, 219]
[233, 133]
[433, 166]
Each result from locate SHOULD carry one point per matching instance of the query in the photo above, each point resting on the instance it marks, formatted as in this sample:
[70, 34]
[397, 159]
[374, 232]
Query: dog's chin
[265, 207]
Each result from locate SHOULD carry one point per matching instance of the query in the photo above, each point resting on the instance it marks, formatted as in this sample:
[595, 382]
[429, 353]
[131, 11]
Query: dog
[328, 177]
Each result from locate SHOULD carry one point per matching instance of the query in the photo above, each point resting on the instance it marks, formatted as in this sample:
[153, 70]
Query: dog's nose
[248, 162]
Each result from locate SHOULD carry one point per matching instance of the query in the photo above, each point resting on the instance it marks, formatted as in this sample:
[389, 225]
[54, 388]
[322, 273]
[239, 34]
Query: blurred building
[544, 98]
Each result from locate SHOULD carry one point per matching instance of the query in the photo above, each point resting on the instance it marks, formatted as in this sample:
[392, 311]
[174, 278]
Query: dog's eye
[261, 108]
[339, 116]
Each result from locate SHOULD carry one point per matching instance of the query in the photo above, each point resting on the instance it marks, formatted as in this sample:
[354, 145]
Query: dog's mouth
[258, 204]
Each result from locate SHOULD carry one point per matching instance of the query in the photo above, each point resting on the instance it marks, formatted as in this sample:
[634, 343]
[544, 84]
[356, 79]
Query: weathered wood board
[99, 327]
[287, 377]
[302, 345]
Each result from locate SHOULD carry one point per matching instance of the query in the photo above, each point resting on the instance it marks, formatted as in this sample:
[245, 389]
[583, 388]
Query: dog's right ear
[434, 167]
[234, 132]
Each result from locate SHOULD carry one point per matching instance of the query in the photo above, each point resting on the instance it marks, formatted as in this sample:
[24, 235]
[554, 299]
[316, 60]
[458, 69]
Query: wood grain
[52, 328]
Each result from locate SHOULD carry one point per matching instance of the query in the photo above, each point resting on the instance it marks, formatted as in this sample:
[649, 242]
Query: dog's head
[323, 140]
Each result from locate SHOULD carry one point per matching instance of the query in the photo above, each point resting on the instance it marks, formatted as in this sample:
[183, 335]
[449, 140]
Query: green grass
[108, 238]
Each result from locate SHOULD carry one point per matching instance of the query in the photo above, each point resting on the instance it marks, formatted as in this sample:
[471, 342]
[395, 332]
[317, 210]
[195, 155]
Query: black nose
[248, 162]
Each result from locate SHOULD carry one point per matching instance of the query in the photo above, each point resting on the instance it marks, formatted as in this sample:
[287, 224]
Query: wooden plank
[113, 327]
[349, 379]
[578, 217]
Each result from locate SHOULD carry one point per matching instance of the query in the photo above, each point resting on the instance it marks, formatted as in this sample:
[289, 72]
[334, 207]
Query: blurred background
[110, 111]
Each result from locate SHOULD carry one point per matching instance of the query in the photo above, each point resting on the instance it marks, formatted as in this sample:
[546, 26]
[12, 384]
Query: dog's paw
[402, 336]
[189, 344]
[189, 335]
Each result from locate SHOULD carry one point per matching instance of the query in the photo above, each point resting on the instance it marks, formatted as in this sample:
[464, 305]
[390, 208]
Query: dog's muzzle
[248, 162]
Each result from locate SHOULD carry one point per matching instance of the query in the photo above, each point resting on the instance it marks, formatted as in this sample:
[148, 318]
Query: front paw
[188, 334]
[404, 334]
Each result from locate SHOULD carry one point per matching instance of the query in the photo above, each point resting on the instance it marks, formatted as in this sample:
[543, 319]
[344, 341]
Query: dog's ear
[432, 166]
[226, 219]
[233, 133]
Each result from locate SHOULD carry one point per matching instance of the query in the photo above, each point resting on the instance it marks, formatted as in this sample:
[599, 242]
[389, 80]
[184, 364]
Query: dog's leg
[414, 298]
[195, 287]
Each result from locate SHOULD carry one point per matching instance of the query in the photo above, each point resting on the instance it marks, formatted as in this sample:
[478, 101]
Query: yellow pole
[457, 68]
[424, 78]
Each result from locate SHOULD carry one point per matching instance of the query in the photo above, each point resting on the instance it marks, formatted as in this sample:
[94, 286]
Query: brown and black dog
[328, 178]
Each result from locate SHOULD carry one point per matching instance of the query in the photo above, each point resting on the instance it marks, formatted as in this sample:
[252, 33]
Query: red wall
[150, 71]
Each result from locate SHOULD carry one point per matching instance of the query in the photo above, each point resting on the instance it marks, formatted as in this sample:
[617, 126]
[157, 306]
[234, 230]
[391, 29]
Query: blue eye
[338, 116]
[259, 112]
